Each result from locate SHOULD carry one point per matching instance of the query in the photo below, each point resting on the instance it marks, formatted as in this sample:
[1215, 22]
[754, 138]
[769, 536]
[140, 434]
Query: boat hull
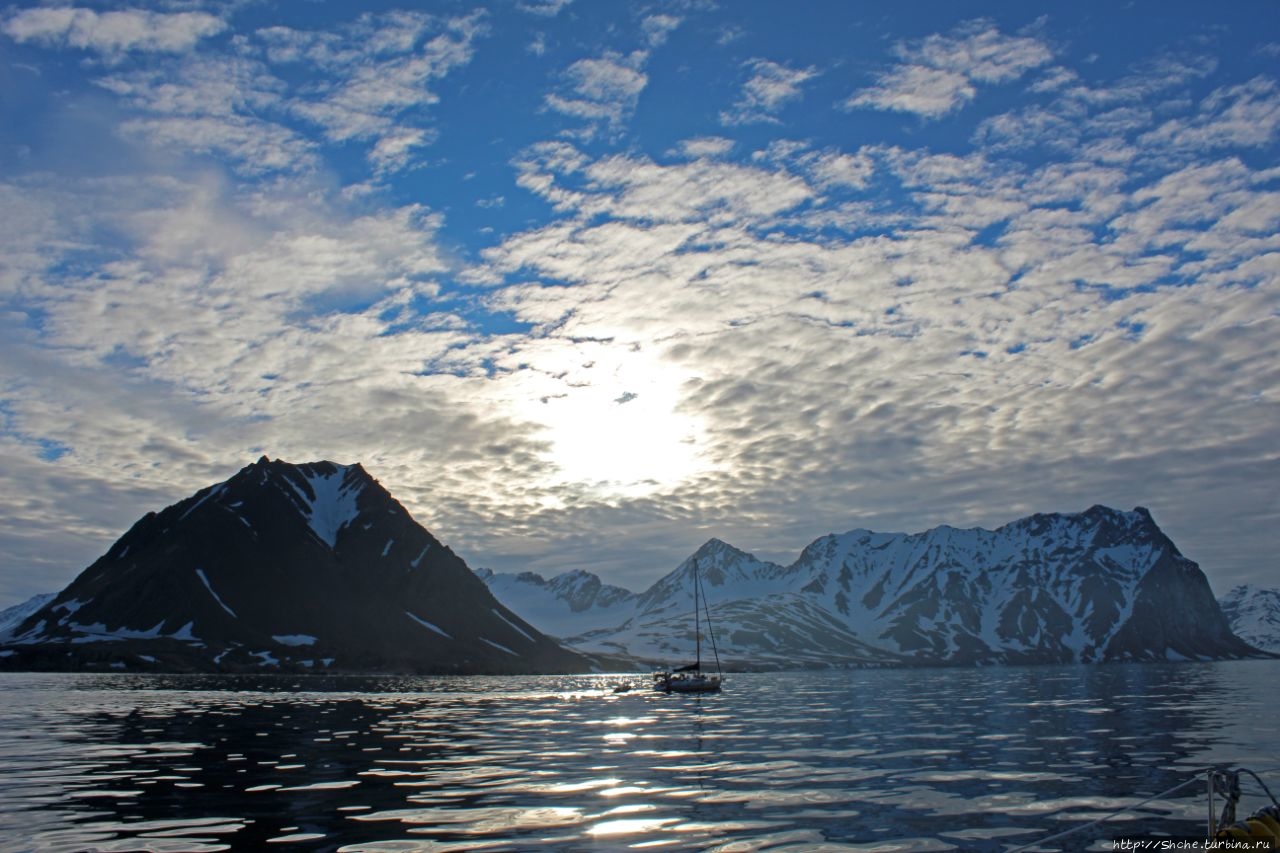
[687, 683]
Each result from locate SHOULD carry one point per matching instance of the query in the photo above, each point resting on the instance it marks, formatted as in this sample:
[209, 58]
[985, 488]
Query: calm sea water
[880, 760]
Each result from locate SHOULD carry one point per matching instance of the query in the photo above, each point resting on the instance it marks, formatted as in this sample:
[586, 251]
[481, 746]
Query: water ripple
[864, 760]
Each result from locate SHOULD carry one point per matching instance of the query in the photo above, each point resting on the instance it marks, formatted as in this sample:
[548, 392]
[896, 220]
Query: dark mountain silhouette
[298, 567]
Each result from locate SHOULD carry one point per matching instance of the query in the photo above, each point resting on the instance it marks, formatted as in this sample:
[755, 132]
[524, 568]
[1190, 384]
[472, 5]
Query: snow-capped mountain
[575, 602]
[1254, 615]
[725, 574]
[13, 616]
[1101, 585]
[291, 566]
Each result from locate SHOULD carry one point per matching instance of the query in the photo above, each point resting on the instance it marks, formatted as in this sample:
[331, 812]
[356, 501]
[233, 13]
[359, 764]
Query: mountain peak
[717, 562]
[715, 546]
[328, 495]
[1101, 512]
[294, 565]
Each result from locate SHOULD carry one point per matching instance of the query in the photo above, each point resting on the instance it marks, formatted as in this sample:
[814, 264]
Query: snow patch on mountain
[329, 498]
[98, 632]
[573, 603]
[1046, 588]
[514, 627]
[430, 626]
[294, 639]
[499, 646]
[209, 494]
[204, 579]
[13, 616]
[1254, 614]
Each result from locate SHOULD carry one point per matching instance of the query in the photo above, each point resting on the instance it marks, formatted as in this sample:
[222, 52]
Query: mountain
[285, 566]
[12, 617]
[1102, 585]
[1254, 615]
[575, 602]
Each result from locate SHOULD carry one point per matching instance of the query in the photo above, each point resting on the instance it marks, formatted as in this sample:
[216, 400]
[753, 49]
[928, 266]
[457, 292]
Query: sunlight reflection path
[837, 761]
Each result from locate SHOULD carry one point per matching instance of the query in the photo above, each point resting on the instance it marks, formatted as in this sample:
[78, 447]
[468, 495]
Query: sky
[585, 284]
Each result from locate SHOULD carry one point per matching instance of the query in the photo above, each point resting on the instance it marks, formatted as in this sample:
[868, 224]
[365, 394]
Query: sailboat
[691, 678]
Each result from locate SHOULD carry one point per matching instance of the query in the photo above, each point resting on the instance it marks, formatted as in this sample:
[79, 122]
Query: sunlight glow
[613, 418]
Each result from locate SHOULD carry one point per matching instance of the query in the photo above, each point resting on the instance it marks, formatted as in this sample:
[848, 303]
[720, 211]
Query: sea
[988, 759]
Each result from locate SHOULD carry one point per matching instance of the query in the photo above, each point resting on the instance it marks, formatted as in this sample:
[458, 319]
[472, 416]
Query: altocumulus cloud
[112, 33]
[772, 85]
[941, 73]
[722, 295]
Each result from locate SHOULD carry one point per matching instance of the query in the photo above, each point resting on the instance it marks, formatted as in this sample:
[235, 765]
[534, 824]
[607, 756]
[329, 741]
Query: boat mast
[711, 632]
[697, 623]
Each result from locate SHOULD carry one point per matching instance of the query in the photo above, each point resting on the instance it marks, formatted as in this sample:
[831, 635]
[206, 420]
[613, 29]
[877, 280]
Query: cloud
[387, 75]
[1245, 115]
[706, 146]
[940, 74]
[809, 332]
[212, 105]
[603, 91]
[840, 169]
[1144, 119]
[368, 79]
[929, 92]
[771, 87]
[729, 33]
[226, 327]
[544, 8]
[1147, 79]
[827, 169]
[112, 34]
[988, 330]
[981, 52]
[395, 149]
[642, 190]
[657, 28]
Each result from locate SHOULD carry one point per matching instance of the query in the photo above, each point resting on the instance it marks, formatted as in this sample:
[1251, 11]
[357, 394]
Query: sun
[613, 421]
[626, 438]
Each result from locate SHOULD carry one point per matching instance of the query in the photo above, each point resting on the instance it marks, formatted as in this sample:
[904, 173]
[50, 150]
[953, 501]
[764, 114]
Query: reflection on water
[865, 760]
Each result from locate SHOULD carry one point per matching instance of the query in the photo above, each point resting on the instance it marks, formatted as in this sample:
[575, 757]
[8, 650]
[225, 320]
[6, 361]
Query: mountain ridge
[1095, 586]
[315, 566]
